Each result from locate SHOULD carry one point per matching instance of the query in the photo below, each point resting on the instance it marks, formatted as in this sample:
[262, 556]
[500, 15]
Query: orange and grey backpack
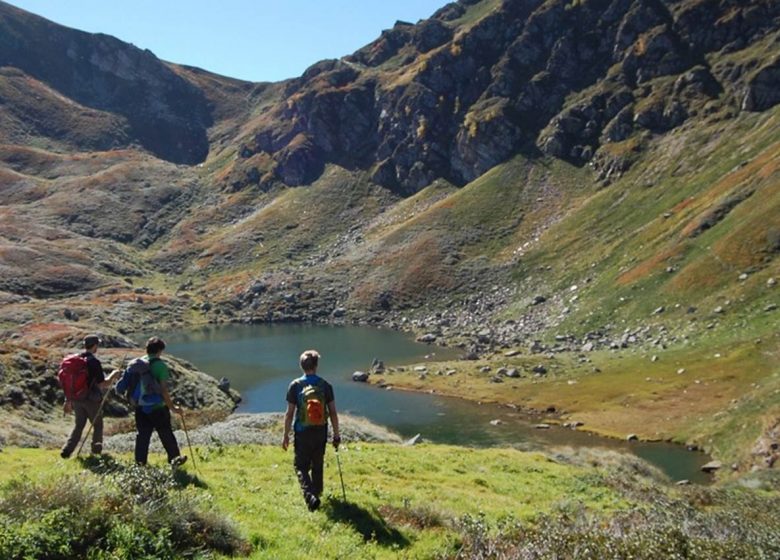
[312, 408]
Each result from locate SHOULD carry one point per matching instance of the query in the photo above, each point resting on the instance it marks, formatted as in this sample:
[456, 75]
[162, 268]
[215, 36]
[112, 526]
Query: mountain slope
[558, 178]
[139, 98]
[468, 88]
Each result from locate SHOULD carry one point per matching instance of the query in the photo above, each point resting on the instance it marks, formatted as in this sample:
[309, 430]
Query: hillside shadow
[369, 524]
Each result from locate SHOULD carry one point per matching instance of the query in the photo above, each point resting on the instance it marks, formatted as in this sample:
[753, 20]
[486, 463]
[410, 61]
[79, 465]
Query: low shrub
[120, 513]
[700, 524]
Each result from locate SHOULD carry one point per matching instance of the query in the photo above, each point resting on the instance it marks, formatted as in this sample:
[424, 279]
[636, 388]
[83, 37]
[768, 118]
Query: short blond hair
[309, 360]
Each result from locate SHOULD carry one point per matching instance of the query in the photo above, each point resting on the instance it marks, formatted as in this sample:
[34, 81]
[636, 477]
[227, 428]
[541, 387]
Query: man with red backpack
[82, 379]
[312, 398]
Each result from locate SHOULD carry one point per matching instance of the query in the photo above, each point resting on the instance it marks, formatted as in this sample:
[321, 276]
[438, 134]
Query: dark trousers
[160, 421]
[85, 410]
[309, 460]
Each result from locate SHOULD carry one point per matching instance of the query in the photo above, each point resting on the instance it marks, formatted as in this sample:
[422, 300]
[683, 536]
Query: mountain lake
[261, 360]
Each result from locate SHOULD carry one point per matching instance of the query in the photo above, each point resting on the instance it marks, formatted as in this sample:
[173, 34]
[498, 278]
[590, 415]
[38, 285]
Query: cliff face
[96, 92]
[481, 81]
[449, 97]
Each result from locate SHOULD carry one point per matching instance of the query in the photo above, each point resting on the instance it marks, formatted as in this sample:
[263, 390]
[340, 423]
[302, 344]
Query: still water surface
[261, 360]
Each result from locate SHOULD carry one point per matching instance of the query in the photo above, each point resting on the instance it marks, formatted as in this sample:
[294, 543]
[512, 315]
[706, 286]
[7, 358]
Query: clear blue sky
[260, 40]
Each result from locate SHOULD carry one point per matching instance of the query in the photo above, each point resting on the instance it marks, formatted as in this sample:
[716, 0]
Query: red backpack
[73, 376]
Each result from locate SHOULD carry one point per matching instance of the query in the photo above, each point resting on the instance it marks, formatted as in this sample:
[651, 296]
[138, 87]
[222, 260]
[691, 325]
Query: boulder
[360, 376]
[377, 366]
[70, 315]
[763, 89]
[712, 466]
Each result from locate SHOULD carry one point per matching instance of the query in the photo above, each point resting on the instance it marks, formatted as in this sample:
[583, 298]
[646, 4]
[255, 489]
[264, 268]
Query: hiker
[312, 397]
[153, 407]
[83, 380]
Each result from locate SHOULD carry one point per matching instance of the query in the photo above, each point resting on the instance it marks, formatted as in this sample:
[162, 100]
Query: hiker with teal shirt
[149, 394]
[312, 398]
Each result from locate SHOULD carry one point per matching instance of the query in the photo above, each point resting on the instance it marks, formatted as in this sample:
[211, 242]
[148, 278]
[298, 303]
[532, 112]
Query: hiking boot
[65, 454]
[97, 448]
[178, 461]
[312, 502]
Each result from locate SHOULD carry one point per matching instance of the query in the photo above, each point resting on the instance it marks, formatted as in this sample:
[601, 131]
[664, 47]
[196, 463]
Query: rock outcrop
[448, 99]
[128, 93]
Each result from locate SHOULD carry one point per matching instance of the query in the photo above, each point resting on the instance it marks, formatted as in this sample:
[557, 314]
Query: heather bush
[119, 513]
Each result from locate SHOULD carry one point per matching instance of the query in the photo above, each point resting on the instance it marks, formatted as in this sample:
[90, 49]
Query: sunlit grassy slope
[684, 245]
[430, 502]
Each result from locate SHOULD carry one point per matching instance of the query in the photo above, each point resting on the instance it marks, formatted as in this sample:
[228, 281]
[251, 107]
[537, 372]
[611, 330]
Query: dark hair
[91, 340]
[155, 345]
[309, 360]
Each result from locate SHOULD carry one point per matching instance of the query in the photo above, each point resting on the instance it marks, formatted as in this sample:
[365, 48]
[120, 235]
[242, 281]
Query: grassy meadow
[425, 501]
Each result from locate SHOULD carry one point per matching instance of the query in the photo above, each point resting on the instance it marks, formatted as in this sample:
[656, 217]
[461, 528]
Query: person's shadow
[106, 465]
[370, 525]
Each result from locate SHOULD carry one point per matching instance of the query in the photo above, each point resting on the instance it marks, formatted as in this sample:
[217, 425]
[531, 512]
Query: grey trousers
[85, 410]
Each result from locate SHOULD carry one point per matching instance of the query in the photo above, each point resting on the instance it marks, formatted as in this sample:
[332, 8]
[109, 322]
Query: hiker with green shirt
[312, 398]
[154, 406]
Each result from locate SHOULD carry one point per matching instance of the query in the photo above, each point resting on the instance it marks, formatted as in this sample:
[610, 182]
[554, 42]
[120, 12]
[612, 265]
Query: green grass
[401, 499]
[425, 501]
[719, 403]
[475, 13]
[442, 482]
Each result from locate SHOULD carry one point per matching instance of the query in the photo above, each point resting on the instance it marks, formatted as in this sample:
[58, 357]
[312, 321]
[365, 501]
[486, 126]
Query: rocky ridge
[451, 98]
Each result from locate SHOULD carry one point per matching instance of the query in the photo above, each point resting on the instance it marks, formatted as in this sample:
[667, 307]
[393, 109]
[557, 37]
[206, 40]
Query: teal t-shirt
[153, 400]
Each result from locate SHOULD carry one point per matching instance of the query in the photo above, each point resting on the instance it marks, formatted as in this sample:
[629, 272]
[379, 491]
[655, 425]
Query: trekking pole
[99, 410]
[189, 444]
[341, 477]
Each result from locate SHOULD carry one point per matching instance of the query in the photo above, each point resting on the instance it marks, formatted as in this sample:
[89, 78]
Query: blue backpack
[138, 382]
